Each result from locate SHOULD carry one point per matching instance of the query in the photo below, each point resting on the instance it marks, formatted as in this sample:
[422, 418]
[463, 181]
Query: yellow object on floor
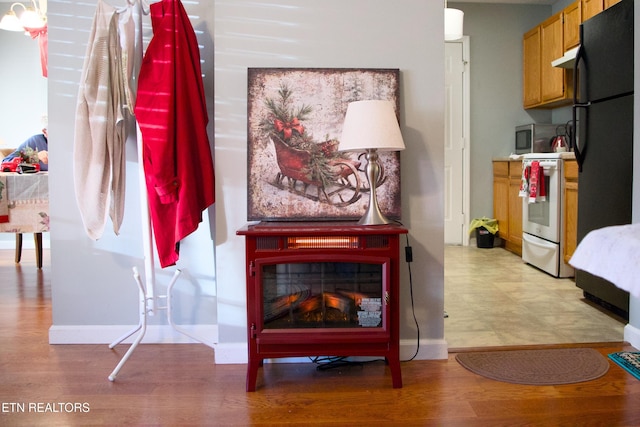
[490, 224]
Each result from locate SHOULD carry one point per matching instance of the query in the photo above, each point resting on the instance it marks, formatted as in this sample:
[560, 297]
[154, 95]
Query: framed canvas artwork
[295, 169]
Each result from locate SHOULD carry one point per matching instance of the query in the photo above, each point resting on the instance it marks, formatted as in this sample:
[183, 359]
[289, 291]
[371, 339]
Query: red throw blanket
[172, 115]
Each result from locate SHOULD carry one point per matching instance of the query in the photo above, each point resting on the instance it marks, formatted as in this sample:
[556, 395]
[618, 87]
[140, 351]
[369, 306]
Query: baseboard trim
[632, 335]
[231, 353]
[430, 349]
[236, 353]
[154, 334]
[225, 353]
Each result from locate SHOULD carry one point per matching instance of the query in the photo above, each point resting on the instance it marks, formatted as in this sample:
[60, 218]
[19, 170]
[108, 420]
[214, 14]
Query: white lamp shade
[10, 22]
[32, 19]
[453, 24]
[371, 124]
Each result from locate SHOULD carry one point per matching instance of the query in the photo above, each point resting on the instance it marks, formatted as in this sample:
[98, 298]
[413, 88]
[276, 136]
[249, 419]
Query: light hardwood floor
[492, 298]
[167, 385]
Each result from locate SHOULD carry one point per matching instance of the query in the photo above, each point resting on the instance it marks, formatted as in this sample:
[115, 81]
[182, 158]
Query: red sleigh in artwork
[316, 173]
[315, 170]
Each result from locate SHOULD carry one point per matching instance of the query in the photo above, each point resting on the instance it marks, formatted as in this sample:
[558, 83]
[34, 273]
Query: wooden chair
[37, 239]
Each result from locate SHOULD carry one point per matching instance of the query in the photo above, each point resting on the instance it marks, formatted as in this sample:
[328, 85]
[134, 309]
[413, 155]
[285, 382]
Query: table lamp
[371, 126]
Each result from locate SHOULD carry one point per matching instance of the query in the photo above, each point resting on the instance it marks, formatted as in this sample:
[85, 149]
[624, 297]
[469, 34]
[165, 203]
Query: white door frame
[466, 133]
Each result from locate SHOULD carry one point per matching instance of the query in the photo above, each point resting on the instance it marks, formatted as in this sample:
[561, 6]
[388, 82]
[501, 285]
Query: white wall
[403, 34]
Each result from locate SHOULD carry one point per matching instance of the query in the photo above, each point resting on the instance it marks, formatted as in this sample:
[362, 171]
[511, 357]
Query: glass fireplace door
[323, 294]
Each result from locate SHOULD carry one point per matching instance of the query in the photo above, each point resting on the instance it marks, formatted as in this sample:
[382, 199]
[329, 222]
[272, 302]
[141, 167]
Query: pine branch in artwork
[284, 121]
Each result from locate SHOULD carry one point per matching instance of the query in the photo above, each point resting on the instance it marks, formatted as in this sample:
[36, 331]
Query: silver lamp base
[373, 215]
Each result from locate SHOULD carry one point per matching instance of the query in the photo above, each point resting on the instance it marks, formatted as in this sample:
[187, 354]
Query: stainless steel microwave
[534, 138]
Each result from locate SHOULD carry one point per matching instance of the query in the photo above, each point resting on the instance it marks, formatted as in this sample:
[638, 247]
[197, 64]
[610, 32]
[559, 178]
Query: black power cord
[331, 362]
[408, 254]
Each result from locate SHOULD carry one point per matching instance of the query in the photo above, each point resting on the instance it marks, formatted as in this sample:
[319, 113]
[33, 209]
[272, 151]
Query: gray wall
[495, 34]
[403, 34]
[94, 296]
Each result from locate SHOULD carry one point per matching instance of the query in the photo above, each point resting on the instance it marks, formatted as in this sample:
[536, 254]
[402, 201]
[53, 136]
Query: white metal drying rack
[148, 303]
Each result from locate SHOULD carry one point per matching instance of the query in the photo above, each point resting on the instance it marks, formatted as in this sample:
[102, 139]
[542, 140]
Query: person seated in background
[37, 143]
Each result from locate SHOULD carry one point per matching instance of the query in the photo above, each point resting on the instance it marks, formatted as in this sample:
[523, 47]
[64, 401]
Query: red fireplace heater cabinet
[322, 289]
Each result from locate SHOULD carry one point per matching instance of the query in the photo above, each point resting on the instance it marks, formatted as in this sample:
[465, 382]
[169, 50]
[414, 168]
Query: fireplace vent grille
[267, 243]
[377, 241]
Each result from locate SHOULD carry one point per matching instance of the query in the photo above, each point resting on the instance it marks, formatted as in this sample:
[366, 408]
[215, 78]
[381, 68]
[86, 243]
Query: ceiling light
[10, 22]
[453, 23]
[29, 18]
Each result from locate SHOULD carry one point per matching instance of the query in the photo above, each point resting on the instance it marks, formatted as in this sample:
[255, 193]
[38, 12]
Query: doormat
[628, 360]
[537, 367]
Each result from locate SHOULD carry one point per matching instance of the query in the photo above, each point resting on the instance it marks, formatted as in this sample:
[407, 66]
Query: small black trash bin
[484, 238]
[485, 229]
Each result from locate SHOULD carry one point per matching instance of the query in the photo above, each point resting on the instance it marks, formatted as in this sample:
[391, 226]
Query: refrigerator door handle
[576, 104]
[576, 81]
[580, 151]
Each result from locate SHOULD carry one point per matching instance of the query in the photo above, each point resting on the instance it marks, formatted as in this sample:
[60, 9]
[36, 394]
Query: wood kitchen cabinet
[531, 67]
[551, 47]
[555, 82]
[501, 197]
[515, 208]
[544, 85]
[507, 204]
[570, 214]
[591, 8]
[571, 25]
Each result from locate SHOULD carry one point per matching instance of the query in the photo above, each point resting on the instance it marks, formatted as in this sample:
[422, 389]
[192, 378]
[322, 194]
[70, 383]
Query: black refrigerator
[603, 141]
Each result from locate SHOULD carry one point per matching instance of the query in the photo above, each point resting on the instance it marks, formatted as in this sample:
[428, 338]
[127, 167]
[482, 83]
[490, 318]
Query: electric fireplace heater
[322, 289]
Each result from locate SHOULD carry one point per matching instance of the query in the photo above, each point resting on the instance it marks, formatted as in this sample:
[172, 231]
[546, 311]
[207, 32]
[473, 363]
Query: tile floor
[492, 298]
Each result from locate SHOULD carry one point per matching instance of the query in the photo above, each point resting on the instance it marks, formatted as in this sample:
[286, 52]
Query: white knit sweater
[102, 115]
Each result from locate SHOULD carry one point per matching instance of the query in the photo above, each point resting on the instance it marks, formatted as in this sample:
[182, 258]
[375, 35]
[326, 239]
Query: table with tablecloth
[24, 206]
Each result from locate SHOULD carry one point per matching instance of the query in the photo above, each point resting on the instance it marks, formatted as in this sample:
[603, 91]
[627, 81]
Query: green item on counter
[490, 224]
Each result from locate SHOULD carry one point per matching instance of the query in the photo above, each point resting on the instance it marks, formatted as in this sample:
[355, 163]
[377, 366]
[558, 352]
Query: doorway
[457, 143]
[21, 79]
[499, 306]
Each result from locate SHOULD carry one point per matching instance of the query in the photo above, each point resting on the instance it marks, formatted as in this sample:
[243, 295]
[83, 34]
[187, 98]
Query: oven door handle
[548, 165]
[544, 165]
[538, 242]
